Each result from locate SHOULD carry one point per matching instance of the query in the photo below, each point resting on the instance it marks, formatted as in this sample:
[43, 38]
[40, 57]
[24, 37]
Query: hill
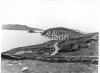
[19, 27]
[61, 31]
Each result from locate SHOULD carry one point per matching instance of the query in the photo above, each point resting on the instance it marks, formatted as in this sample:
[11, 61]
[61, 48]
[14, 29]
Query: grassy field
[43, 67]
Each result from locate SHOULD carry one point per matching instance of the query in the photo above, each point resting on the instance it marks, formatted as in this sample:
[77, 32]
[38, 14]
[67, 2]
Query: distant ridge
[20, 27]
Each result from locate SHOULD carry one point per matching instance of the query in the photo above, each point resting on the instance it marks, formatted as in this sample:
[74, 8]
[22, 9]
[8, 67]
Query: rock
[25, 70]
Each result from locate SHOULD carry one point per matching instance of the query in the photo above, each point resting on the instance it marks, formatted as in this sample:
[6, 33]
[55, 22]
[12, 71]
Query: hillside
[83, 46]
[61, 31]
[70, 59]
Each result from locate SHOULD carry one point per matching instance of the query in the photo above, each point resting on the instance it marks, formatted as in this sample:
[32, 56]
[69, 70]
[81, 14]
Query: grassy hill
[61, 31]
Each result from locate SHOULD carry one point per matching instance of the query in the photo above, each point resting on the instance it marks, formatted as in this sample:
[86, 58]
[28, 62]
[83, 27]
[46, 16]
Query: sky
[76, 14]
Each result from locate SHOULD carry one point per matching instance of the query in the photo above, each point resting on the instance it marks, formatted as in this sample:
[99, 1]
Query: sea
[19, 38]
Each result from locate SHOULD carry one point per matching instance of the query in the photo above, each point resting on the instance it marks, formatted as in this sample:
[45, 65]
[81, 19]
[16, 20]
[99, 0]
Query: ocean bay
[18, 38]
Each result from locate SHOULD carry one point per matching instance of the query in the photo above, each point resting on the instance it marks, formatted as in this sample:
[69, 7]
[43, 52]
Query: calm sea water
[16, 38]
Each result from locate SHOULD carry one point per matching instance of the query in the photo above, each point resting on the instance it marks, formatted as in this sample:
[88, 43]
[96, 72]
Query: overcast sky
[76, 14]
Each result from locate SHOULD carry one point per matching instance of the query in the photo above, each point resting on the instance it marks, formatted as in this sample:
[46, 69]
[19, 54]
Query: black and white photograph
[49, 36]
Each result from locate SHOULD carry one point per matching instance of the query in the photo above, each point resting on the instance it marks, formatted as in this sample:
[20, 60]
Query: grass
[44, 67]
